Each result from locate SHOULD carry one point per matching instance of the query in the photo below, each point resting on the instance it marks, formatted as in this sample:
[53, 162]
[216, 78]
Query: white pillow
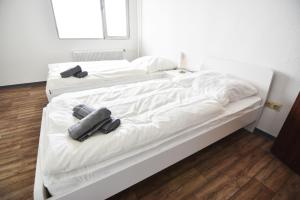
[237, 89]
[224, 88]
[153, 63]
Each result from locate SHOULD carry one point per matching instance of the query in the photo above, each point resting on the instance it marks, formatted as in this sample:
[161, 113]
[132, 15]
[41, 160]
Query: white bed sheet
[101, 74]
[67, 182]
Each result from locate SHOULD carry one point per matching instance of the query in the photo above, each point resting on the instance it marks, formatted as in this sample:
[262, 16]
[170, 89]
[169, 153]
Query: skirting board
[147, 166]
[23, 84]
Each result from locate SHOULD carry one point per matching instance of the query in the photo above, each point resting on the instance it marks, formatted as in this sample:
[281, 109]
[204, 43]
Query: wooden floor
[237, 167]
[20, 111]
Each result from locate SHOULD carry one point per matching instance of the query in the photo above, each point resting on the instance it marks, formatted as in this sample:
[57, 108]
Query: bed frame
[134, 172]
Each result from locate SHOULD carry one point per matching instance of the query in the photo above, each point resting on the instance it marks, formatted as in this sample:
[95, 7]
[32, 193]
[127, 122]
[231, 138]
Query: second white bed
[100, 74]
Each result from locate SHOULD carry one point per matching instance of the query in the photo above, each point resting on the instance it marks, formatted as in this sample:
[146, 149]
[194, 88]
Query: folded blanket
[110, 126]
[81, 74]
[71, 72]
[90, 124]
[81, 111]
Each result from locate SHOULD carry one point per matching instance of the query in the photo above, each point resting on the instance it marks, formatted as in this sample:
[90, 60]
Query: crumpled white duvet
[149, 111]
[112, 70]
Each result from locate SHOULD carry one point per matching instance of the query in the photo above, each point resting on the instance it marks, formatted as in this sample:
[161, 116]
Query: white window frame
[104, 27]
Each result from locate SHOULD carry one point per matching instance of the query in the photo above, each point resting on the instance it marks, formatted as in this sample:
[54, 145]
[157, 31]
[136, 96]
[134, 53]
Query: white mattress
[67, 182]
[151, 112]
[101, 74]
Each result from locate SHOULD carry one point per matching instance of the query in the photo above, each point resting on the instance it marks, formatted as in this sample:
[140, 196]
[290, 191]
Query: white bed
[101, 74]
[67, 178]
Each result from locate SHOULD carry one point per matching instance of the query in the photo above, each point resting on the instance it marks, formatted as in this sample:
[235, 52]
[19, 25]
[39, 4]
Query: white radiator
[97, 55]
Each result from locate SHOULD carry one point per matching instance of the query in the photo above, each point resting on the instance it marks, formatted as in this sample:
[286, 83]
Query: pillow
[237, 89]
[153, 63]
[224, 88]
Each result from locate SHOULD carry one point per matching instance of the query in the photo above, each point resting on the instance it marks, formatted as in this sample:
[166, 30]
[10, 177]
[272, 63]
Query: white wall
[263, 32]
[29, 41]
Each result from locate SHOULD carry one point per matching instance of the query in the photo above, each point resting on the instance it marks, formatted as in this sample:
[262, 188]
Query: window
[115, 20]
[91, 19]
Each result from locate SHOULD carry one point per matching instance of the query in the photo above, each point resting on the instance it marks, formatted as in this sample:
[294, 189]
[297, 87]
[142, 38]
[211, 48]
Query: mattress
[151, 112]
[101, 74]
[67, 182]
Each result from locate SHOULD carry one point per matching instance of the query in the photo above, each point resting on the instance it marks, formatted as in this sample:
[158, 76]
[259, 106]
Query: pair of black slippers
[75, 72]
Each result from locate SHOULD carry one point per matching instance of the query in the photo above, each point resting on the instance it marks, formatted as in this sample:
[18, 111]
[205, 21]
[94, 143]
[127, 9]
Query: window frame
[104, 26]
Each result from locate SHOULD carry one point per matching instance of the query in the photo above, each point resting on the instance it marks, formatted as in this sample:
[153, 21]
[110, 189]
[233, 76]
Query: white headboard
[259, 76]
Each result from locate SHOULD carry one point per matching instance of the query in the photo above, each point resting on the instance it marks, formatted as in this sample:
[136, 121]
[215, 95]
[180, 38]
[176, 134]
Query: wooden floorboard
[239, 166]
[21, 111]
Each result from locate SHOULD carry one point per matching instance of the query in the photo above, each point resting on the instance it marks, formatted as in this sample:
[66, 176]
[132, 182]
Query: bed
[104, 74]
[197, 121]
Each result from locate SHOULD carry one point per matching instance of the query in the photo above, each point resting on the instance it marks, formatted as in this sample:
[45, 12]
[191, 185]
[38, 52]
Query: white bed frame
[134, 172]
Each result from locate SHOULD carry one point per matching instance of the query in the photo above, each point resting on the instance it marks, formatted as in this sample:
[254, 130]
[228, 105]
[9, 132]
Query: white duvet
[149, 111]
[106, 71]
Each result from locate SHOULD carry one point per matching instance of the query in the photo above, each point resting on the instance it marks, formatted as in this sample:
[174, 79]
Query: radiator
[97, 55]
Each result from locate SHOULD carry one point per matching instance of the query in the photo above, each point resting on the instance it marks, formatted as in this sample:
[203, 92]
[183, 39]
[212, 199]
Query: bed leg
[251, 127]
